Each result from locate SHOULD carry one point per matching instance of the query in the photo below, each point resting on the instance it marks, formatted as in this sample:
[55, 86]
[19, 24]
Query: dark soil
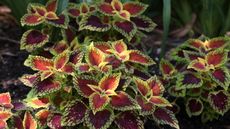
[11, 68]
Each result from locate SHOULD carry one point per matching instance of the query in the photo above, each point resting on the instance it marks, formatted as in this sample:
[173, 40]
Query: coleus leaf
[5, 100]
[59, 47]
[143, 23]
[29, 122]
[147, 108]
[142, 86]
[39, 63]
[29, 79]
[194, 107]
[155, 86]
[219, 101]
[82, 83]
[93, 23]
[54, 121]
[137, 57]
[33, 39]
[83, 68]
[76, 57]
[38, 102]
[126, 28]
[103, 46]
[42, 116]
[135, 8]
[119, 46]
[3, 124]
[216, 43]
[84, 8]
[167, 69]
[98, 102]
[216, 58]
[159, 101]
[94, 56]
[123, 14]
[198, 65]
[113, 61]
[61, 22]
[164, 116]
[69, 68]
[110, 82]
[74, 12]
[100, 120]
[32, 19]
[5, 115]
[74, 113]
[221, 76]
[192, 55]
[61, 60]
[123, 102]
[51, 5]
[117, 5]
[188, 80]
[127, 120]
[17, 122]
[106, 8]
[176, 92]
[195, 44]
[46, 86]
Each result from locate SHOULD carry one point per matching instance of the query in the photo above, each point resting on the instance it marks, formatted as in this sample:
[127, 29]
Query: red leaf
[189, 80]
[51, 5]
[155, 86]
[194, 107]
[216, 58]
[122, 101]
[117, 5]
[195, 43]
[42, 116]
[94, 23]
[165, 116]
[5, 115]
[219, 101]
[116, 63]
[74, 12]
[167, 69]
[3, 124]
[103, 46]
[40, 63]
[47, 86]
[147, 108]
[198, 65]
[142, 86]
[17, 122]
[106, 9]
[94, 56]
[31, 19]
[127, 120]
[119, 46]
[98, 102]
[32, 39]
[126, 28]
[83, 67]
[137, 57]
[221, 76]
[29, 80]
[217, 43]
[143, 23]
[5, 99]
[74, 113]
[54, 121]
[61, 22]
[68, 68]
[61, 60]
[29, 122]
[124, 15]
[135, 8]
[191, 55]
[159, 101]
[76, 57]
[110, 82]
[82, 85]
[100, 120]
[59, 47]
[84, 8]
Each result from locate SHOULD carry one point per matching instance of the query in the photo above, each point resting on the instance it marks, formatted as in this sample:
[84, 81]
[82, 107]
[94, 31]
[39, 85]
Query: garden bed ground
[11, 68]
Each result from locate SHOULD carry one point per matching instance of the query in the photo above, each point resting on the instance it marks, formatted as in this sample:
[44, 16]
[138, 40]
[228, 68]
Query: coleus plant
[82, 82]
[200, 75]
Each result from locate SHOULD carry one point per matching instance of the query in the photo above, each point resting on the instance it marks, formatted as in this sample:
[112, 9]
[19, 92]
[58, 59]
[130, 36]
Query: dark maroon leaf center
[125, 26]
[190, 79]
[220, 100]
[35, 37]
[95, 21]
[194, 105]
